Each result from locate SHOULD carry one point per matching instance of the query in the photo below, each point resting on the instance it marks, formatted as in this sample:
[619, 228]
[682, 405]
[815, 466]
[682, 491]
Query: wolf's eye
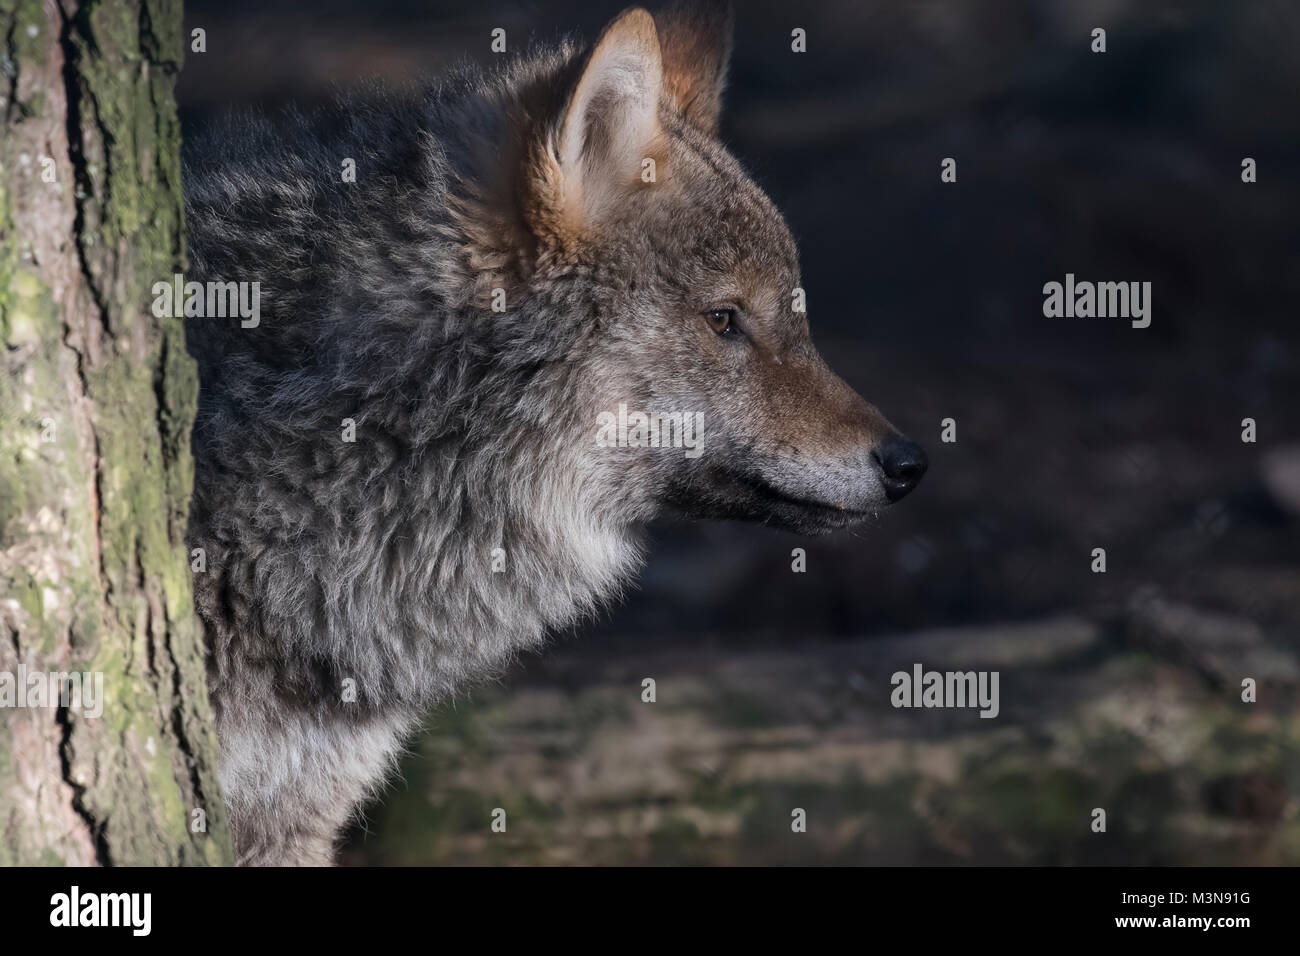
[722, 321]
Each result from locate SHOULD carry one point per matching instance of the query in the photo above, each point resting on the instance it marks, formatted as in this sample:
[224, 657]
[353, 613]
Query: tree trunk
[96, 401]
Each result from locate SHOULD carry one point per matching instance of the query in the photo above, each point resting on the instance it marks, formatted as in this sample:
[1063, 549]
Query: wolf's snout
[902, 464]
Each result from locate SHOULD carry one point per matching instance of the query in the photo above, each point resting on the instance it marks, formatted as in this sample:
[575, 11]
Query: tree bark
[97, 398]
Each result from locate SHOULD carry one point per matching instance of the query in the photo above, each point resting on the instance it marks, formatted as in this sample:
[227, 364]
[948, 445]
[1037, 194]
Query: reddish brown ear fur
[609, 125]
[580, 134]
[695, 46]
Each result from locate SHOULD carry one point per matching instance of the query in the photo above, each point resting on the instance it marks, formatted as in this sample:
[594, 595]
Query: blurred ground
[710, 773]
[1120, 690]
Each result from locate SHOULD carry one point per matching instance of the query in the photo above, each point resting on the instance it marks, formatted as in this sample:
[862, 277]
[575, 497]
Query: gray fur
[371, 561]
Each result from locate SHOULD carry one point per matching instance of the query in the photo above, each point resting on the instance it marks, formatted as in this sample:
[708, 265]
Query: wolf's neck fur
[466, 519]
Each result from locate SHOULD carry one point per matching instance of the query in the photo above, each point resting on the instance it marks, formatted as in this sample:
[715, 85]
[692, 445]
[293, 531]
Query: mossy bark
[97, 398]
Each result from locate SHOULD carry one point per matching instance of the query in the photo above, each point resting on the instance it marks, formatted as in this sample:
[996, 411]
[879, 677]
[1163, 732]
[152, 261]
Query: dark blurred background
[1119, 690]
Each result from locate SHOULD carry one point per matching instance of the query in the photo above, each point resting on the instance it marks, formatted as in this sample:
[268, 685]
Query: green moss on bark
[97, 400]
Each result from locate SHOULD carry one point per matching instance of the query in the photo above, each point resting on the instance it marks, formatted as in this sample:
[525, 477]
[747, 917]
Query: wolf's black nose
[902, 463]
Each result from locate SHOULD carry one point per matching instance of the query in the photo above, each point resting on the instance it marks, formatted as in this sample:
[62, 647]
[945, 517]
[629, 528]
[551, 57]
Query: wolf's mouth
[744, 495]
[773, 494]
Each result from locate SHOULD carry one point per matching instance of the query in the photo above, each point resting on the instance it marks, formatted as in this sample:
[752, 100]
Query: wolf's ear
[611, 120]
[695, 43]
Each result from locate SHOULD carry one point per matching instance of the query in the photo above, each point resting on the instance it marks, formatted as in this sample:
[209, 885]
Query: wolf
[397, 483]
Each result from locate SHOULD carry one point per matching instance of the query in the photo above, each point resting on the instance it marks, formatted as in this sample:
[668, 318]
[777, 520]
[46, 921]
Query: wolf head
[634, 221]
